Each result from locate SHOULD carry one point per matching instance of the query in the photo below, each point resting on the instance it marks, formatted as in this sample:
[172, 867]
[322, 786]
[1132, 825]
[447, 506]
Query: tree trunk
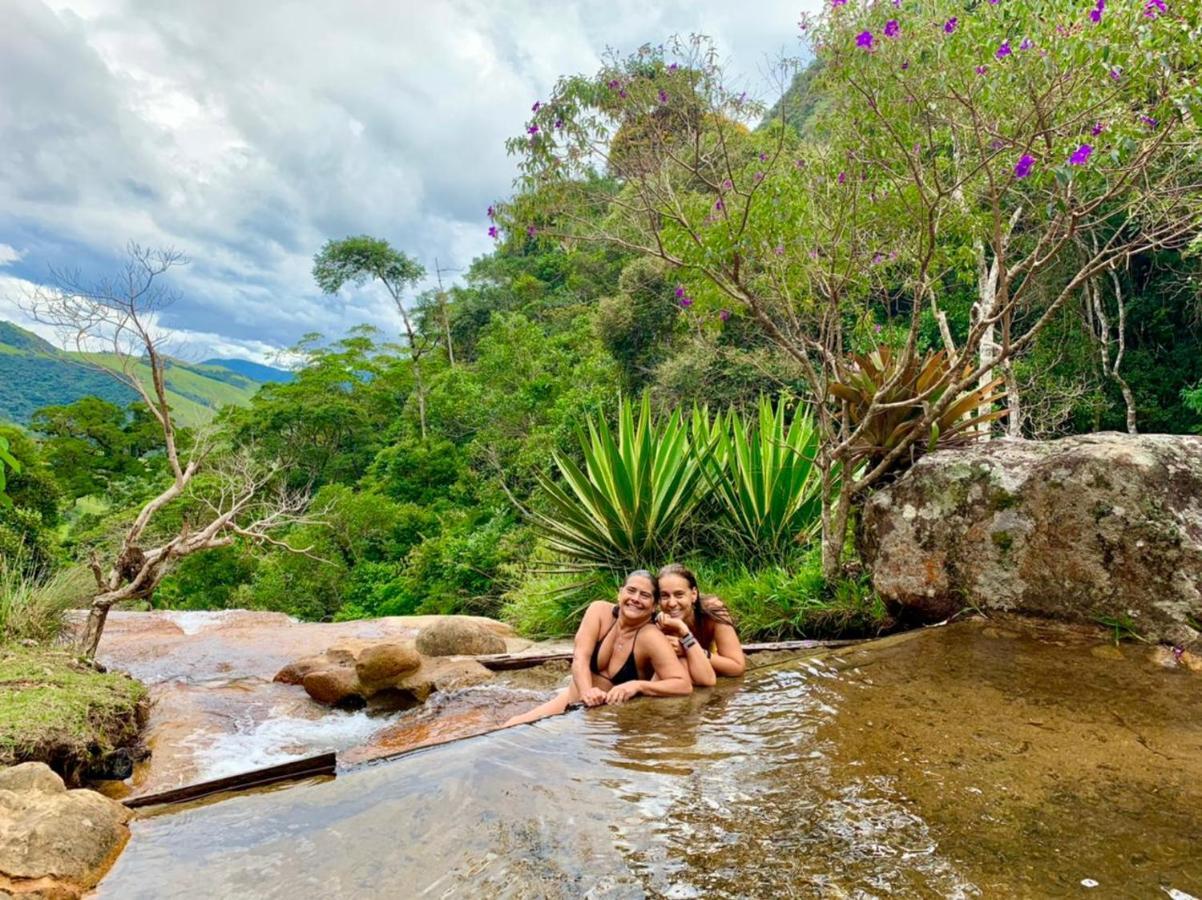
[1014, 403]
[94, 627]
[834, 536]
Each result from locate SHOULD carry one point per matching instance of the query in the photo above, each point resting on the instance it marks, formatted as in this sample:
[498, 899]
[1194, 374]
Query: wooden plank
[502, 662]
[291, 771]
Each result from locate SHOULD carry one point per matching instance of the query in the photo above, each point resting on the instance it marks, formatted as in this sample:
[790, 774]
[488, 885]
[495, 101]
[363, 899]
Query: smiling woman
[617, 656]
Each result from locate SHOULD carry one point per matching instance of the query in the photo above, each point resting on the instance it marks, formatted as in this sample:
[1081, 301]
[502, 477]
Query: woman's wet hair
[643, 573]
[705, 606]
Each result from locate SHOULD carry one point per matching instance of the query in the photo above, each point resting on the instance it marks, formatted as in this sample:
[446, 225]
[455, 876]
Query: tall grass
[32, 609]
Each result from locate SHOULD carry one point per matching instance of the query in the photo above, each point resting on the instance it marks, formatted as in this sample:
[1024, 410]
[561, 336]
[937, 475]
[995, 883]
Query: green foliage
[625, 508]
[208, 580]
[91, 443]
[361, 259]
[885, 396]
[7, 461]
[550, 605]
[764, 476]
[29, 516]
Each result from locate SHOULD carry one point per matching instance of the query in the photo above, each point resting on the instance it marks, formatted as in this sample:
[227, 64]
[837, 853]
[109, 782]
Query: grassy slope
[60, 711]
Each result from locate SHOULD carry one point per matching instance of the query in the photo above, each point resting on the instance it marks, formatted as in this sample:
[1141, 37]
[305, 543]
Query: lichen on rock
[1098, 528]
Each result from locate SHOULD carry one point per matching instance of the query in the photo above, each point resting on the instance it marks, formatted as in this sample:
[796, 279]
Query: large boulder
[385, 674]
[1099, 528]
[54, 842]
[454, 636]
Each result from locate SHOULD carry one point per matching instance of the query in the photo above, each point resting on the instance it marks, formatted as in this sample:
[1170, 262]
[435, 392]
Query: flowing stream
[964, 761]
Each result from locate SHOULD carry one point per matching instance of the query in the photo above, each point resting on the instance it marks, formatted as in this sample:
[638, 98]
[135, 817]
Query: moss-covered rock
[57, 709]
[1103, 528]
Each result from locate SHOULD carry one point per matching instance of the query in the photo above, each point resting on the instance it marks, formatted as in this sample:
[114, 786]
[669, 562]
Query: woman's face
[676, 596]
[636, 598]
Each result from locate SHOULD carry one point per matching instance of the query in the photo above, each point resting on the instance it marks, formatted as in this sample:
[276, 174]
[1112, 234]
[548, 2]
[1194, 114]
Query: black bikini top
[630, 668]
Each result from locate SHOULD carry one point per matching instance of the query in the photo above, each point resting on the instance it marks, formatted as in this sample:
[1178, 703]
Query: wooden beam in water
[291, 771]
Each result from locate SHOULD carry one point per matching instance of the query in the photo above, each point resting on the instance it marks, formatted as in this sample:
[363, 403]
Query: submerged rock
[453, 636]
[54, 842]
[1103, 528]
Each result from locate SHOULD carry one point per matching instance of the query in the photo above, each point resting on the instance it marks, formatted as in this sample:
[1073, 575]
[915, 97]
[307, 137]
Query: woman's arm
[727, 657]
[582, 653]
[701, 671]
[671, 679]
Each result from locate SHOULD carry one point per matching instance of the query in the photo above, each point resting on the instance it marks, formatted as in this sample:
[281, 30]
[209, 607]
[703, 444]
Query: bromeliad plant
[885, 398]
[624, 509]
[764, 477]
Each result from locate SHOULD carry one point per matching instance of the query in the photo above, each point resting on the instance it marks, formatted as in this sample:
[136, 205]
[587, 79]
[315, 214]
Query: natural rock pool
[969, 760]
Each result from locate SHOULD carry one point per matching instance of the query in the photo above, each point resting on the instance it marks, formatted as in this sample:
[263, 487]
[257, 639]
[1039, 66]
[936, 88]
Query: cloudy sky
[246, 132]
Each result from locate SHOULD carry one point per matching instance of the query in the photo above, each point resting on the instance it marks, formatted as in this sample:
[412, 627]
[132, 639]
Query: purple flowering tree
[933, 153]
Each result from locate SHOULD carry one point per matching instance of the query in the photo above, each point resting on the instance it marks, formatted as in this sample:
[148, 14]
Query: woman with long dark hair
[619, 653]
[700, 627]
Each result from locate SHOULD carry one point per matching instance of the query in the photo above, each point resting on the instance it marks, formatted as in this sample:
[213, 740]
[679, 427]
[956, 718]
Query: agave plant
[911, 378]
[625, 507]
[764, 477]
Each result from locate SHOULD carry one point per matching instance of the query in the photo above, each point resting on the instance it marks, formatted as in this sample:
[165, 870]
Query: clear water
[960, 762]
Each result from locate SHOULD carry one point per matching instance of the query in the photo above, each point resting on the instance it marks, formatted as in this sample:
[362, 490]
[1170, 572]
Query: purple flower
[531, 231]
[1149, 121]
[897, 4]
[536, 107]
[718, 204]
[615, 84]
[533, 129]
[1003, 50]
[1154, 8]
[981, 70]
[1080, 155]
[779, 250]
[864, 39]
[759, 176]
[1115, 75]
[724, 315]
[1095, 14]
[878, 258]
[679, 291]
[492, 212]
[622, 93]
[905, 65]
[673, 67]
[763, 156]
[877, 328]
[842, 177]
[994, 2]
[838, 3]
[950, 25]
[663, 96]
[892, 29]
[727, 184]
[1023, 168]
[1027, 44]
[1097, 129]
[559, 123]
[686, 302]
[493, 233]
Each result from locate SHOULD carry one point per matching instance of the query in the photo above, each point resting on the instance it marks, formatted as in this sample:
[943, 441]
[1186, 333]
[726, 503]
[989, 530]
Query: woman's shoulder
[601, 606]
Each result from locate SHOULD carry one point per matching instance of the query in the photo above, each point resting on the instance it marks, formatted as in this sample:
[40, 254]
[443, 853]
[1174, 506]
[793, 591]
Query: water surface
[966, 761]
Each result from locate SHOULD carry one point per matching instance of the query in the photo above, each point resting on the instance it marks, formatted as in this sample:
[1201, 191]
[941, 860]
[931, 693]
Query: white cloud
[248, 133]
[9, 255]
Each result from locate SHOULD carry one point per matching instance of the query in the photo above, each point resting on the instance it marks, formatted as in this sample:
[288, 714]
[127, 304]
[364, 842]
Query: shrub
[551, 605]
[32, 608]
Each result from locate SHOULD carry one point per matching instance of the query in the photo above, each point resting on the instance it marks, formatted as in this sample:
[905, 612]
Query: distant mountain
[252, 370]
[34, 373]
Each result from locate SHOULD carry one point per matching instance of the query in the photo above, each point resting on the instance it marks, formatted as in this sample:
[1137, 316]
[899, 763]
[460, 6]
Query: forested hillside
[35, 374]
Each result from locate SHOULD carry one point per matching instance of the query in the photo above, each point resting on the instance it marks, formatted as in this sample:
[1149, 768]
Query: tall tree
[361, 259]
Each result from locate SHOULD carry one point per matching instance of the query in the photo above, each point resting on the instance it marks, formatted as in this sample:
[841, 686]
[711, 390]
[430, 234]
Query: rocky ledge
[54, 843]
[1104, 528]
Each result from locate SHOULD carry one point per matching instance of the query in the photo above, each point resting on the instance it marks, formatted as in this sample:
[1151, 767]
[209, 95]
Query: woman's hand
[622, 692]
[594, 696]
[673, 626]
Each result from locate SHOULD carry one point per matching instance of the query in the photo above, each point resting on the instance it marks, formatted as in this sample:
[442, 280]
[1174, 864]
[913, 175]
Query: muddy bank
[973, 760]
[61, 711]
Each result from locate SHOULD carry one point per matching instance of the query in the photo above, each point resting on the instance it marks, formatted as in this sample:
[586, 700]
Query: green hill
[33, 374]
